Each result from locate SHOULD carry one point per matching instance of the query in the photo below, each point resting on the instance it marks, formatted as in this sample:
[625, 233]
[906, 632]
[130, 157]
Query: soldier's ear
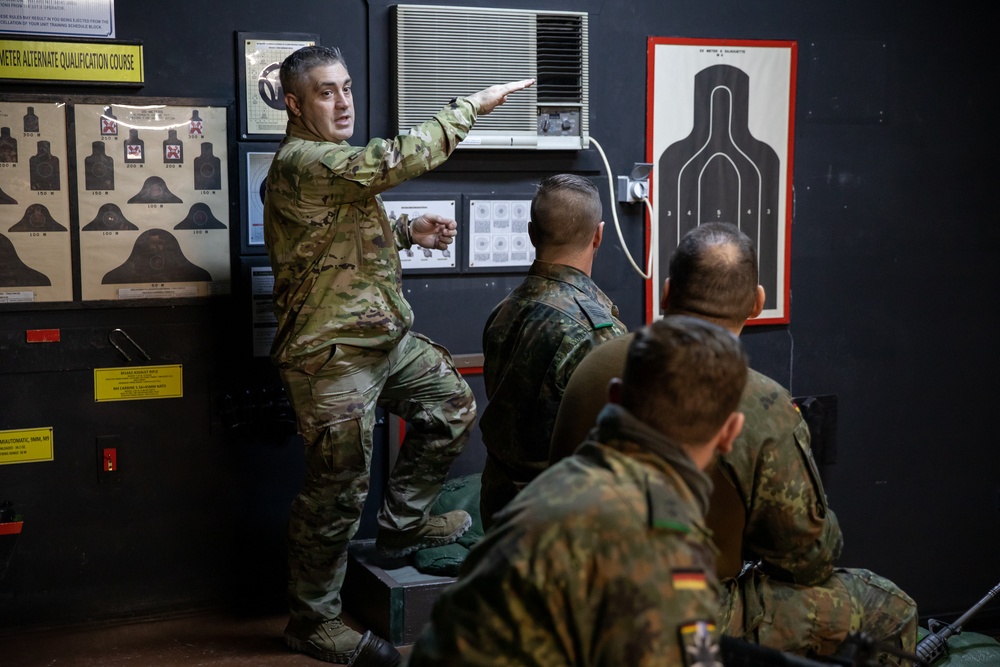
[758, 304]
[729, 432]
[292, 103]
[663, 295]
[598, 235]
[615, 391]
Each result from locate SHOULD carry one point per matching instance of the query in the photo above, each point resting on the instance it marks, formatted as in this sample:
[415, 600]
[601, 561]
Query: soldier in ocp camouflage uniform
[768, 504]
[536, 336]
[604, 560]
[343, 343]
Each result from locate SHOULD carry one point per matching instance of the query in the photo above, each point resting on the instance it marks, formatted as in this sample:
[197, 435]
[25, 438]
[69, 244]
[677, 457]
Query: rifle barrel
[933, 645]
[976, 607]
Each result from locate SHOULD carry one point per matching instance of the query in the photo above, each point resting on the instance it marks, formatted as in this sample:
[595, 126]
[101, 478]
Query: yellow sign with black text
[80, 62]
[137, 383]
[27, 445]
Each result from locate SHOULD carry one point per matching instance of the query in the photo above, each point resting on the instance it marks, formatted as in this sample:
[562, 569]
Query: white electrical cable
[614, 213]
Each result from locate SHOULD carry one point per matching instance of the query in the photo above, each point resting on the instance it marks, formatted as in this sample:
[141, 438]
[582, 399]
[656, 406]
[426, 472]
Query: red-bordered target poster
[720, 129]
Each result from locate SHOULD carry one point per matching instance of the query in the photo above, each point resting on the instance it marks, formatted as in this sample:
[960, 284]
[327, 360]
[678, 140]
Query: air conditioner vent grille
[561, 58]
[442, 52]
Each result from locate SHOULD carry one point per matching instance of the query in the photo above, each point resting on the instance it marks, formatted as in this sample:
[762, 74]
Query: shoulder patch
[699, 646]
[689, 580]
[598, 316]
[667, 511]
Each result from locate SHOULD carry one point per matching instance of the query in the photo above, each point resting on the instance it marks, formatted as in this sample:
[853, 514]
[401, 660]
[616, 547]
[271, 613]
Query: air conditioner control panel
[558, 121]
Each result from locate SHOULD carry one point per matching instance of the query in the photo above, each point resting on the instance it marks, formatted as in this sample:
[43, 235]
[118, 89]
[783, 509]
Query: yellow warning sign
[135, 383]
[26, 445]
[97, 62]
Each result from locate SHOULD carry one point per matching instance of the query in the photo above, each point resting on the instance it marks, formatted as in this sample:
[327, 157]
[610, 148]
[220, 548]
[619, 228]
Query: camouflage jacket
[773, 508]
[789, 526]
[532, 342]
[602, 561]
[333, 250]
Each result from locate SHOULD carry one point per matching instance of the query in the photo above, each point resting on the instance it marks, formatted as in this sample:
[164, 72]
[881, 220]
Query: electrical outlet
[632, 191]
[635, 187]
[108, 459]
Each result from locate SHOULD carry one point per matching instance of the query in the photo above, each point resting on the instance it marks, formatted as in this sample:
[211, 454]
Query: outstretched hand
[489, 99]
[433, 231]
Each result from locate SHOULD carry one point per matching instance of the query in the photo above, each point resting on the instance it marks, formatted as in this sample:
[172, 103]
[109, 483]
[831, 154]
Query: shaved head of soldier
[684, 377]
[565, 211]
[713, 274]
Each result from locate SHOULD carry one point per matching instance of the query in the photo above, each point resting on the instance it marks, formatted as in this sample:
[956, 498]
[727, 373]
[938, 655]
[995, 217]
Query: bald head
[713, 274]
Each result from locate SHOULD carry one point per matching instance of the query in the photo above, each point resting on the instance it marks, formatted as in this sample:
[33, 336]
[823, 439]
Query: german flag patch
[699, 647]
[689, 580]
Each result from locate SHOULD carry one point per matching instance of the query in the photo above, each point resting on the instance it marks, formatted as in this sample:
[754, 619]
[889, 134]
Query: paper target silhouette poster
[153, 200]
[36, 262]
[720, 128]
[258, 163]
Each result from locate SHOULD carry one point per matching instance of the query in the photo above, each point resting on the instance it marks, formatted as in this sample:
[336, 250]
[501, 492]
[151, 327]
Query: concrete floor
[221, 639]
[215, 639]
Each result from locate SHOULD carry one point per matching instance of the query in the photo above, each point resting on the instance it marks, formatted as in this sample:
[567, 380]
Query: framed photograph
[497, 237]
[258, 278]
[419, 259]
[36, 261]
[255, 160]
[261, 100]
[720, 129]
[153, 202]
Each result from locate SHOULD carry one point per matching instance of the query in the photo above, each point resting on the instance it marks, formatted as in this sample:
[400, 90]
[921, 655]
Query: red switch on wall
[110, 459]
[108, 447]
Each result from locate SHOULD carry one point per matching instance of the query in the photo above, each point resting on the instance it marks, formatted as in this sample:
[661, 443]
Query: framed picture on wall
[36, 261]
[418, 259]
[153, 199]
[497, 237]
[261, 100]
[257, 281]
[720, 128]
[255, 161]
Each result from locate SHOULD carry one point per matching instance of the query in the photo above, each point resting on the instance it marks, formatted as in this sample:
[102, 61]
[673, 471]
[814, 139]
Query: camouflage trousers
[334, 395]
[815, 620]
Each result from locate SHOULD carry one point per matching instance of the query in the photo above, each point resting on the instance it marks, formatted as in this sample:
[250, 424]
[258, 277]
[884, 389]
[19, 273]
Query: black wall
[893, 307]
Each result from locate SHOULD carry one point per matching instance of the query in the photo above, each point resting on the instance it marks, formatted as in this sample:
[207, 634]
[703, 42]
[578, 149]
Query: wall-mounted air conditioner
[444, 52]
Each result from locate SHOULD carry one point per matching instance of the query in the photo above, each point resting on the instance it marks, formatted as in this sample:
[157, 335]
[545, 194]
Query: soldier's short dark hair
[297, 65]
[684, 376]
[713, 274]
[565, 210]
